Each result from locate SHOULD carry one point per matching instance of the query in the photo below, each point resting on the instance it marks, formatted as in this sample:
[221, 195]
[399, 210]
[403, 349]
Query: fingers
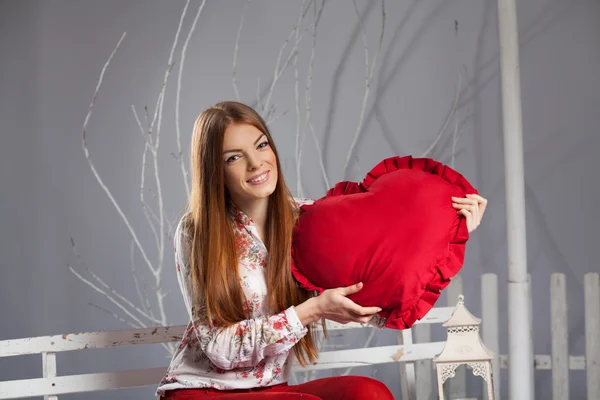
[365, 311]
[348, 290]
[482, 202]
[469, 217]
[475, 205]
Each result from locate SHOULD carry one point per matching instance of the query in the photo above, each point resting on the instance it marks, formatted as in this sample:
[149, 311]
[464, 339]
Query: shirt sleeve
[246, 343]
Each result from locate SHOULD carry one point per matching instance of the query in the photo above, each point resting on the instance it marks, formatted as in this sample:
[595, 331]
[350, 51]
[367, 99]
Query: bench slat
[90, 340]
[373, 355]
[81, 383]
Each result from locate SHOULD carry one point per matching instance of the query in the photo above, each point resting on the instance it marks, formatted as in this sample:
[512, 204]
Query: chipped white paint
[80, 383]
[90, 340]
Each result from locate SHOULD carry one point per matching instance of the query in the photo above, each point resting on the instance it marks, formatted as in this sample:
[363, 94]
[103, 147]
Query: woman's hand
[333, 304]
[472, 208]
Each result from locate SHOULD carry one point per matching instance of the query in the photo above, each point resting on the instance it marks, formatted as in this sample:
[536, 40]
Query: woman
[233, 266]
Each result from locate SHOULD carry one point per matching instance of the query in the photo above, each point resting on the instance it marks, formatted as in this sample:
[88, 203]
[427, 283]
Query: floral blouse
[251, 353]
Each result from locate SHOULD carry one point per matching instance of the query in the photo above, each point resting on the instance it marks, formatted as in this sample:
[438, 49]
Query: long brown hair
[213, 261]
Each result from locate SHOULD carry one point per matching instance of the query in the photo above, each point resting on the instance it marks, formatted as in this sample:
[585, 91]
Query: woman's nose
[254, 163]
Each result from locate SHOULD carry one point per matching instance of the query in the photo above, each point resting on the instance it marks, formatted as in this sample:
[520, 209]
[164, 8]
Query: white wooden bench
[51, 385]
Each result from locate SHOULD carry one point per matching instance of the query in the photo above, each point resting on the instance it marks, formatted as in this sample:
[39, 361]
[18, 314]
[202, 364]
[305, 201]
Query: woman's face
[250, 164]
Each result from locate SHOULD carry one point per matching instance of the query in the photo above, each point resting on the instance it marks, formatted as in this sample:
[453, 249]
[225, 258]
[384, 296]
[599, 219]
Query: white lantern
[464, 346]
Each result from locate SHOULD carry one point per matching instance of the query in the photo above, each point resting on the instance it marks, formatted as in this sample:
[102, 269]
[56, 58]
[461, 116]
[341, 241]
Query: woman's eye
[263, 145]
[231, 159]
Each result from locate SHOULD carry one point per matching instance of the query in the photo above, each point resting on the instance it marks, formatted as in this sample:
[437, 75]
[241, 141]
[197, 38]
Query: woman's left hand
[472, 208]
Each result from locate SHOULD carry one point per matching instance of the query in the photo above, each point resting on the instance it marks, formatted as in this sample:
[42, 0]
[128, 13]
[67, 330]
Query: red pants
[335, 388]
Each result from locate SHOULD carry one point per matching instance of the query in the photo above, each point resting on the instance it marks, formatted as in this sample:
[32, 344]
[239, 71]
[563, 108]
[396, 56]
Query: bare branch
[107, 295]
[118, 317]
[148, 212]
[448, 119]
[159, 112]
[159, 102]
[235, 51]
[258, 100]
[178, 98]
[107, 287]
[143, 301]
[93, 168]
[147, 138]
[308, 98]
[369, 79]
[100, 79]
[280, 69]
[299, 189]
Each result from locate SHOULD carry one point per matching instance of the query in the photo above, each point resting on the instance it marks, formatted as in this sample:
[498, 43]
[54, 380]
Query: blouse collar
[240, 216]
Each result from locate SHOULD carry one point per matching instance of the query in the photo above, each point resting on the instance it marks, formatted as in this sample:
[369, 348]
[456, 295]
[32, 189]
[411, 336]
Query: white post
[49, 369]
[520, 370]
[531, 336]
[407, 369]
[423, 368]
[560, 337]
[489, 322]
[592, 333]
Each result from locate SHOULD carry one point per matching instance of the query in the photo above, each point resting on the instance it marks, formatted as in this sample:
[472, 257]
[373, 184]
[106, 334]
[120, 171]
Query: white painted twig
[158, 114]
[143, 301]
[299, 190]
[178, 98]
[308, 97]
[259, 105]
[448, 119]
[116, 316]
[93, 168]
[107, 295]
[279, 69]
[235, 52]
[145, 137]
[369, 78]
[146, 208]
[114, 293]
[160, 101]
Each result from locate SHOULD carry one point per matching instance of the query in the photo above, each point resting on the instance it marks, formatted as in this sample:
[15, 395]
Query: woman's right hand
[334, 305]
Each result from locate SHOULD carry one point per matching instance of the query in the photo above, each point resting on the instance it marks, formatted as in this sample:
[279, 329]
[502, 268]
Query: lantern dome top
[461, 316]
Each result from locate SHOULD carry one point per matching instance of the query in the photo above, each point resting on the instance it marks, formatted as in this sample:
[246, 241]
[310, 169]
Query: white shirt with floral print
[251, 353]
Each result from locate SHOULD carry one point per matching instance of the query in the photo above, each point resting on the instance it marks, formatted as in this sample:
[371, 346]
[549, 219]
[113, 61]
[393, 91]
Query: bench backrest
[51, 385]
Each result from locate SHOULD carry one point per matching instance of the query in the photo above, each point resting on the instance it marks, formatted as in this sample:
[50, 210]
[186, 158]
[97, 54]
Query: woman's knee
[368, 388]
[346, 388]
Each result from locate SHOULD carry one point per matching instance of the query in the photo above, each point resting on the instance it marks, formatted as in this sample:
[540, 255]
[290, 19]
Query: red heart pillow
[396, 232]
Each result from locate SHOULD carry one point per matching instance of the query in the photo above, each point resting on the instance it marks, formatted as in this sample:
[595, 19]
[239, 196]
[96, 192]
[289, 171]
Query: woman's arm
[246, 343]
[333, 305]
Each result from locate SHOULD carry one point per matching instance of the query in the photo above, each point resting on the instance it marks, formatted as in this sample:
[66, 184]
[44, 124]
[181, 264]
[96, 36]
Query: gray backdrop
[52, 52]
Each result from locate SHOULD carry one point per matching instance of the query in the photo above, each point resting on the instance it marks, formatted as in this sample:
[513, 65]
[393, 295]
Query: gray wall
[52, 52]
